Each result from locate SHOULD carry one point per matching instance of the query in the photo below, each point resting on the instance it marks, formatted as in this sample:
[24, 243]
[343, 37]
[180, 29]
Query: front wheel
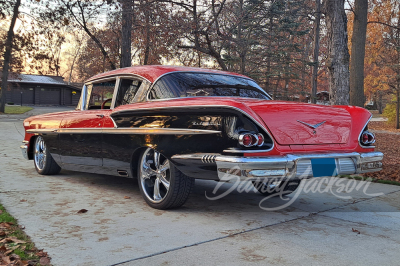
[44, 163]
[161, 184]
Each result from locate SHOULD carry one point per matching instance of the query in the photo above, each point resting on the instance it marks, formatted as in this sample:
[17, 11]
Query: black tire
[174, 187]
[282, 188]
[44, 163]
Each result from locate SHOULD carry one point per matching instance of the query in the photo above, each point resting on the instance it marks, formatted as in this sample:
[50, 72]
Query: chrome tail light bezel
[370, 138]
[255, 138]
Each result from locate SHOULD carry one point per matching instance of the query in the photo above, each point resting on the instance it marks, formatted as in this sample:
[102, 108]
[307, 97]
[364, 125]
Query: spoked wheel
[162, 185]
[44, 163]
[276, 188]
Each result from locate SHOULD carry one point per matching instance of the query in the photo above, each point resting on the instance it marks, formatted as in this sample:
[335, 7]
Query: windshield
[189, 84]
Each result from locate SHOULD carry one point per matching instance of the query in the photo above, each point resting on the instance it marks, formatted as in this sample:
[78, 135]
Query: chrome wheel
[40, 155]
[154, 175]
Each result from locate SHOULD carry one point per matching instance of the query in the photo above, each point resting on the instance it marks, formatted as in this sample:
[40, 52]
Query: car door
[81, 130]
[115, 155]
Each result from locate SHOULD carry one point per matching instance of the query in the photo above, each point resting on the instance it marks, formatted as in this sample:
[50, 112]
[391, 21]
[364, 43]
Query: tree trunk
[73, 63]
[379, 102]
[338, 52]
[314, 80]
[398, 109]
[147, 43]
[358, 53]
[127, 14]
[7, 57]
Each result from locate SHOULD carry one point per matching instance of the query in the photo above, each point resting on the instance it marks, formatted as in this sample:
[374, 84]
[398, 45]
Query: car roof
[153, 72]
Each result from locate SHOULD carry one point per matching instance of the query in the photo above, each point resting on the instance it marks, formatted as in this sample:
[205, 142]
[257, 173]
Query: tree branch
[385, 24]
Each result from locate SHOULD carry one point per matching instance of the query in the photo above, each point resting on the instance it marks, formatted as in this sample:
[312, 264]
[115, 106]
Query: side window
[101, 93]
[127, 91]
[161, 90]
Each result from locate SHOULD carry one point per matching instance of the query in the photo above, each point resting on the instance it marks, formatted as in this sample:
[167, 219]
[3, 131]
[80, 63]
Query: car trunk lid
[306, 124]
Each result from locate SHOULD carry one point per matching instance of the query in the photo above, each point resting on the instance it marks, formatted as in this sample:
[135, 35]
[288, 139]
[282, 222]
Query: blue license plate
[324, 167]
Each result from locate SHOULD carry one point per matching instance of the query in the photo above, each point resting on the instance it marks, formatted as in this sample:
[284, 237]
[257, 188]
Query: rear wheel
[44, 163]
[161, 184]
[276, 188]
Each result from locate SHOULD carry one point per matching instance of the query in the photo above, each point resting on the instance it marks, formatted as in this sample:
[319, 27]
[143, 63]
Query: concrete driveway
[355, 228]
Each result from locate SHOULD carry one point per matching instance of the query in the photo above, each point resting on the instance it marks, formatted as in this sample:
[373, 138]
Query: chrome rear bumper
[291, 166]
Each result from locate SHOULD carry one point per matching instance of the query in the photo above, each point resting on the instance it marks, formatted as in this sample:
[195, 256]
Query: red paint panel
[283, 119]
[87, 119]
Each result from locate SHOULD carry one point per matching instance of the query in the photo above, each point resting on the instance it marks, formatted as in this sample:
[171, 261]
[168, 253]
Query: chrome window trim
[116, 88]
[206, 106]
[200, 72]
[87, 99]
[359, 136]
[82, 100]
[114, 76]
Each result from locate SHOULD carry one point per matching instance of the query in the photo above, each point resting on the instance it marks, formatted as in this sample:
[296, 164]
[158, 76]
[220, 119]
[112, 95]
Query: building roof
[37, 79]
[153, 72]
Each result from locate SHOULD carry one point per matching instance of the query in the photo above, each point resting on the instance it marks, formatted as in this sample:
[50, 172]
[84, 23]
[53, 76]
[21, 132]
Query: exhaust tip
[123, 173]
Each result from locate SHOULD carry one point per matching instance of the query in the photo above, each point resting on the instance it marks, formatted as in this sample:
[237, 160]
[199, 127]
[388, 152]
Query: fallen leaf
[5, 225]
[44, 261]
[5, 260]
[8, 252]
[33, 262]
[355, 231]
[14, 239]
[19, 263]
[41, 253]
[82, 211]
[25, 262]
[3, 249]
[127, 197]
[2, 233]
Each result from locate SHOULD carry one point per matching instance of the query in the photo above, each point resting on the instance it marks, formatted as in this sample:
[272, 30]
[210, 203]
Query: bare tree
[358, 53]
[126, 38]
[7, 56]
[314, 80]
[80, 12]
[338, 52]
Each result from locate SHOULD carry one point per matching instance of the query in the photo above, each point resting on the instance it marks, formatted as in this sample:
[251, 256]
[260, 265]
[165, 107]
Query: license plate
[324, 167]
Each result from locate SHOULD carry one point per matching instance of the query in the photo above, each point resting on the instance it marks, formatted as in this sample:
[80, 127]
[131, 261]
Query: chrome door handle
[101, 116]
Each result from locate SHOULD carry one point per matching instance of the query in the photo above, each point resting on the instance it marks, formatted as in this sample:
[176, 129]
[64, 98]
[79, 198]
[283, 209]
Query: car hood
[297, 123]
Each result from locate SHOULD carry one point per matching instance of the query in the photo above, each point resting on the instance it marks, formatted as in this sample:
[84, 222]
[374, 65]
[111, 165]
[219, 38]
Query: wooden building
[41, 90]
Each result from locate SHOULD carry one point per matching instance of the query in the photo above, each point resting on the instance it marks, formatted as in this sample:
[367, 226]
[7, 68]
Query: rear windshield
[182, 84]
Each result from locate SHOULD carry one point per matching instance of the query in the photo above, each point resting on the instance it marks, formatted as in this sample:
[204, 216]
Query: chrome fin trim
[147, 131]
[359, 136]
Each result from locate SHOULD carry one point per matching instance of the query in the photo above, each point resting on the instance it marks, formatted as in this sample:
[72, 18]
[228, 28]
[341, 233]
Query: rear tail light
[249, 140]
[367, 138]
[260, 139]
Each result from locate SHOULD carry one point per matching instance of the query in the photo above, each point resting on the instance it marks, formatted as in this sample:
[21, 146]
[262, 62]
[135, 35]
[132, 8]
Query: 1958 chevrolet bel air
[170, 125]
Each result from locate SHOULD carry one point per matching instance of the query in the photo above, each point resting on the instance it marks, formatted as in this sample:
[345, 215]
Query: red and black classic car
[170, 125]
